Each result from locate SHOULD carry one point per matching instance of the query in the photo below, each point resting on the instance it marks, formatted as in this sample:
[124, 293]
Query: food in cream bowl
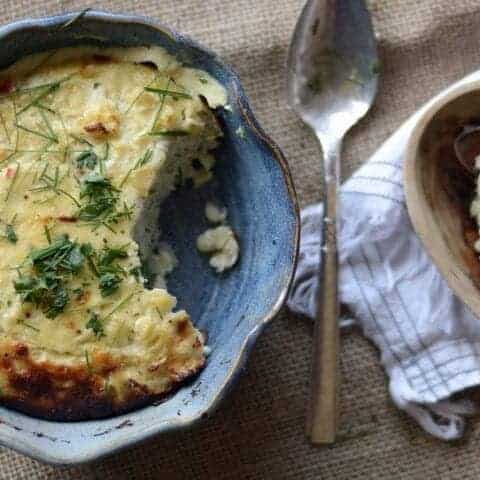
[149, 231]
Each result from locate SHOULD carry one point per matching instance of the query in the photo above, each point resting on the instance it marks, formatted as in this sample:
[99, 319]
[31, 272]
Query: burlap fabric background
[258, 431]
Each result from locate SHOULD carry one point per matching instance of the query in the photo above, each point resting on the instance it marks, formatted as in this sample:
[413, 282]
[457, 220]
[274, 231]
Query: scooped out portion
[91, 141]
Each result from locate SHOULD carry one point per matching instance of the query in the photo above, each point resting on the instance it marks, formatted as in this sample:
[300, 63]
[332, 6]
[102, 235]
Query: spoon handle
[322, 416]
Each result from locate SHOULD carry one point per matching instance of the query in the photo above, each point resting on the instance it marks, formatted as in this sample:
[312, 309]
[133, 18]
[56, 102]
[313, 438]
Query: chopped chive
[39, 97]
[74, 19]
[160, 108]
[51, 184]
[31, 327]
[141, 92]
[39, 134]
[120, 305]
[171, 93]
[48, 85]
[143, 160]
[170, 133]
[80, 140]
[43, 61]
[15, 114]
[44, 107]
[47, 234]
[48, 125]
[87, 361]
[4, 125]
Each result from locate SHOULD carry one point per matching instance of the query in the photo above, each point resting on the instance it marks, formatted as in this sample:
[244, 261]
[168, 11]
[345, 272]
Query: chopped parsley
[95, 324]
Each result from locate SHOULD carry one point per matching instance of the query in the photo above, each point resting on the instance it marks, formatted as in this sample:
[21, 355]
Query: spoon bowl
[333, 65]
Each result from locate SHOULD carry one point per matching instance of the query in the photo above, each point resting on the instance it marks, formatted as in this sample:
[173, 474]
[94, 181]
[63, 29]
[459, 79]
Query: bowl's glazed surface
[252, 180]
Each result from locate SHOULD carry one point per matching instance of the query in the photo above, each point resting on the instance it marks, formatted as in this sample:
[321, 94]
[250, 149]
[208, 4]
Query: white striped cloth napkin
[428, 339]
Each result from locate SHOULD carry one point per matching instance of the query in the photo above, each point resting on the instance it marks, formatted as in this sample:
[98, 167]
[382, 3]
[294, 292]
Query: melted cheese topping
[65, 118]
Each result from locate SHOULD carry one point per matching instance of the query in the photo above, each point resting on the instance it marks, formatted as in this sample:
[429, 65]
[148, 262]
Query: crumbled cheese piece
[215, 213]
[223, 246]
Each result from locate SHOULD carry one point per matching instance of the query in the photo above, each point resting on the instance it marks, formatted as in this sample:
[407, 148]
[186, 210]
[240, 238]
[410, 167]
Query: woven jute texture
[258, 432]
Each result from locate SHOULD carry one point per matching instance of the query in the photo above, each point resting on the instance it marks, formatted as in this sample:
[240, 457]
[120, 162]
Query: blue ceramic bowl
[253, 182]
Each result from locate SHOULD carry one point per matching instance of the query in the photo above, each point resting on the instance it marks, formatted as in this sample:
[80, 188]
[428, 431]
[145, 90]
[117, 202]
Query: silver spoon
[332, 81]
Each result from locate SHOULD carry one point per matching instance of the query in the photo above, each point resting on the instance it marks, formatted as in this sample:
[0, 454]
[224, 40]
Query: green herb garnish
[100, 195]
[87, 361]
[109, 283]
[87, 159]
[52, 266]
[95, 324]
[47, 234]
[10, 234]
[38, 134]
[80, 140]
[45, 292]
[172, 93]
[121, 304]
[100, 202]
[51, 183]
[74, 19]
[143, 160]
[105, 266]
[160, 108]
[169, 133]
[28, 325]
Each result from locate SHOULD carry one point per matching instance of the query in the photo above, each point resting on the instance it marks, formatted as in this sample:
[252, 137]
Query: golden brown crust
[71, 393]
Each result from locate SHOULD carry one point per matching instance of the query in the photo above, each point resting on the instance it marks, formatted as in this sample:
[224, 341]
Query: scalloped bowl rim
[17, 440]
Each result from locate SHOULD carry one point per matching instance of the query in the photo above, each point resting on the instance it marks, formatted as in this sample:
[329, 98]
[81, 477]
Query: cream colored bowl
[439, 190]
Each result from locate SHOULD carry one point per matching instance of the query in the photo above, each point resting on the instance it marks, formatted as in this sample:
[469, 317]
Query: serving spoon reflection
[332, 82]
